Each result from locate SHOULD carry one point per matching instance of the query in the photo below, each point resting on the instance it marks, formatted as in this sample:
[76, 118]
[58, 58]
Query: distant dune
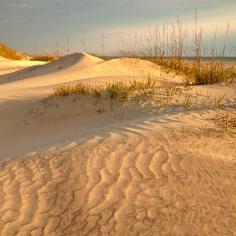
[76, 67]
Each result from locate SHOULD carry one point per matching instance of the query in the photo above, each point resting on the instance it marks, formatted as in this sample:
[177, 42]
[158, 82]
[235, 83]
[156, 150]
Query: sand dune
[76, 67]
[10, 66]
[77, 60]
[68, 169]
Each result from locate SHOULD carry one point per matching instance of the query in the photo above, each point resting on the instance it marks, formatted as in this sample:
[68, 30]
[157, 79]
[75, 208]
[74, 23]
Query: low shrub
[44, 58]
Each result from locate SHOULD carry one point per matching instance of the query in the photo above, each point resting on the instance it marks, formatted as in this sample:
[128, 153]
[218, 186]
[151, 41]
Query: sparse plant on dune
[79, 88]
[142, 85]
[218, 102]
[101, 110]
[227, 120]
[187, 101]
[97, 92]
[117, 90]
[170, 90]
[44, 57]
[141, 89]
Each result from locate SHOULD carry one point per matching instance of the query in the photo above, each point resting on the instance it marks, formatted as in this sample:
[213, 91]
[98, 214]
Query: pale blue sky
[31, 25]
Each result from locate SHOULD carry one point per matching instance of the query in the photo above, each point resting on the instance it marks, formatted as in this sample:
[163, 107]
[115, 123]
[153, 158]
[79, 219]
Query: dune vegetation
[138, 92]
[62, 48]
[10, 53]
[184, 52]
[44, 57]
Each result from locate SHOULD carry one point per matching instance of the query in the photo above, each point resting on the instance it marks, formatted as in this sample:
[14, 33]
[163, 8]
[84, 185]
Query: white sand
[66, 169]
[9, 66]
[76, 67]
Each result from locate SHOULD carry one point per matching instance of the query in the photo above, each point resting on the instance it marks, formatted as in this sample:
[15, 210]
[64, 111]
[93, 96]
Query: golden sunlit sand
[80, 165]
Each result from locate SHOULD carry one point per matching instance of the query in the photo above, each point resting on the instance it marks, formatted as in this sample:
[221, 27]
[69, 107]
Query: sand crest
[76, 67]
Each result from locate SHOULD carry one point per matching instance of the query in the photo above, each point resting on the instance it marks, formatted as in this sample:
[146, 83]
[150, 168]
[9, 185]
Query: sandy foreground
[68, 169]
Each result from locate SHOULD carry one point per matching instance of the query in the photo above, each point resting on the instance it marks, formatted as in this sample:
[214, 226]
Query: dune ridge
[76, 67]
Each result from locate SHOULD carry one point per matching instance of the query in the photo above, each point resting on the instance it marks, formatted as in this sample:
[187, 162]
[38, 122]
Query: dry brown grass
[116, 90]
[9, 53]
[44, 57]
[79, 88]
[227, 120]
[167, 46]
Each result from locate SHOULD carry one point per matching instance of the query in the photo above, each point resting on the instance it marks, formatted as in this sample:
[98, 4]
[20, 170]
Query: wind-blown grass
[168, 46]
[79, 88]
[227, 120]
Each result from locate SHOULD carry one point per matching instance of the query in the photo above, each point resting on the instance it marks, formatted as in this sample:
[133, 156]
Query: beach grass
[170, 45]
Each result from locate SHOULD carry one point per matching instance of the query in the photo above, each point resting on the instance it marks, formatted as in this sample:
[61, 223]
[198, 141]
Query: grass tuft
[44, 57]
[227, 120]
[66, 90]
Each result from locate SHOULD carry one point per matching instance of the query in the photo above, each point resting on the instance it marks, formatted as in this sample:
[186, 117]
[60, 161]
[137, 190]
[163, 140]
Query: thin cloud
[37, 22]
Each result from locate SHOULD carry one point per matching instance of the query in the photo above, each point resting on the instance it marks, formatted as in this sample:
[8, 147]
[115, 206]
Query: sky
[98, 25]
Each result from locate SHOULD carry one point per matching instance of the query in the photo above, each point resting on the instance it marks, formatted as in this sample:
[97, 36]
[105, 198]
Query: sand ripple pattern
[131, 183]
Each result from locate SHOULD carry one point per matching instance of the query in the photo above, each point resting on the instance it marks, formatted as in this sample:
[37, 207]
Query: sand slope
[148, 180]
[76, 67]
[68, 169]
[10, 66]
[76, 60]
[3, 58]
